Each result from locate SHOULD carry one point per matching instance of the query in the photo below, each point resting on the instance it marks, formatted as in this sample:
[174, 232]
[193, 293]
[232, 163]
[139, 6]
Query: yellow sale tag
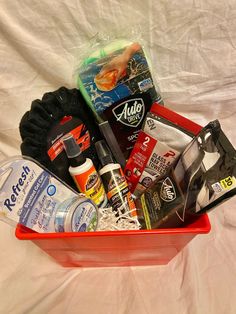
[227, 183]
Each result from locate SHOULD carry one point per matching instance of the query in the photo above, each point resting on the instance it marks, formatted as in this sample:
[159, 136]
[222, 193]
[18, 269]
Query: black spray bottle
[114, 182]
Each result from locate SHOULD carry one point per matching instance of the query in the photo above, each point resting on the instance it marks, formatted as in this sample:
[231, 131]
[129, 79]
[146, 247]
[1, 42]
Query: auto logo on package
[167, 193]
[130, 112]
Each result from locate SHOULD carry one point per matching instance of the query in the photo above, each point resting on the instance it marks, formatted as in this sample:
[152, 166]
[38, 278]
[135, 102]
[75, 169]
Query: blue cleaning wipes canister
[32, 196]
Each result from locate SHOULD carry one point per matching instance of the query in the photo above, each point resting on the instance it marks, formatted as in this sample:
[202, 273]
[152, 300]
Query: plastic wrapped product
[204, 177]
[33, 197]
[116, 82]
[163, 138]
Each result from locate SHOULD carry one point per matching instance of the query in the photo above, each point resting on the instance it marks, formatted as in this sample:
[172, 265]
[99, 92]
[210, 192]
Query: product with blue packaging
[33, 197]
[117, 84]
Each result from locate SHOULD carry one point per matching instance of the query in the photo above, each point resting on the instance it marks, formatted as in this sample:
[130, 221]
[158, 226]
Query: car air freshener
[204, 177]
[32, 196]
[116, 82]
[164, 136]
[58, 113]
[83, 172]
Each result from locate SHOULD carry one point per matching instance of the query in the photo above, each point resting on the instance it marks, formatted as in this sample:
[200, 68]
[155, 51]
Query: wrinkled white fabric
[192, 46]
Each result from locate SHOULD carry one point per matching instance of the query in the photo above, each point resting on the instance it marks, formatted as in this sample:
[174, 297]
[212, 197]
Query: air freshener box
[36, 199]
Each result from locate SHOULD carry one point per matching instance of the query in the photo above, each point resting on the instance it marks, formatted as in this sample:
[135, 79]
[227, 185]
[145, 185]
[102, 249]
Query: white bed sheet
[193, 51]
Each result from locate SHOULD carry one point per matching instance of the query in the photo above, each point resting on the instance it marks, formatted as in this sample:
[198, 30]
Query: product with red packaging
[164, 136]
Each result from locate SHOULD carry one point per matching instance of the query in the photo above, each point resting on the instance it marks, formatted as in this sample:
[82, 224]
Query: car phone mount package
[58, 113]
[32, 196]
[164, 136]
[116, 82]
[204, 177]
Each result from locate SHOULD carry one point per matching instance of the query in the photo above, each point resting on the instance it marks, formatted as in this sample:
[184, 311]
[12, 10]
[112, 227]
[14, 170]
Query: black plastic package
[204, 177]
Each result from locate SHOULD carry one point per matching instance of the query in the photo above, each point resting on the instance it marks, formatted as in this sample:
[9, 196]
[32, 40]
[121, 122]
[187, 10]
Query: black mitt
[36, 127]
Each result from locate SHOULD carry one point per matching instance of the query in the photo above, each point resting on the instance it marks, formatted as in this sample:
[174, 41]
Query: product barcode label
[224, 184]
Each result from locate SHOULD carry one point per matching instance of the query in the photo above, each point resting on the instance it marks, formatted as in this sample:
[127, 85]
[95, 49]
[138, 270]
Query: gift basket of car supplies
[108, 174]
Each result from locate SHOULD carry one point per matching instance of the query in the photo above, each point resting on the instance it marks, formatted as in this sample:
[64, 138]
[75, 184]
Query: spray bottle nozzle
[71, 147]
[104, 153]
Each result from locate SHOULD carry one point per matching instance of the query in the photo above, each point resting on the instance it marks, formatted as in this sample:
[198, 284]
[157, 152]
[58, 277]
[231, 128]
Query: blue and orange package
[117, 84]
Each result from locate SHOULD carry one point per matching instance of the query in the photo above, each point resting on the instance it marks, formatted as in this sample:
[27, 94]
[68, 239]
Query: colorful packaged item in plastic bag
[116, 81]
[204, 177]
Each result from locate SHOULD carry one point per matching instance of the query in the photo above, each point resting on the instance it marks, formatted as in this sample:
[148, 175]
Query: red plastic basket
[121, 248]
[115, 248]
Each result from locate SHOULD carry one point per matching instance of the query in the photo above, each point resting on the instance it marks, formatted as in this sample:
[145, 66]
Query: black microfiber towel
[36, 124]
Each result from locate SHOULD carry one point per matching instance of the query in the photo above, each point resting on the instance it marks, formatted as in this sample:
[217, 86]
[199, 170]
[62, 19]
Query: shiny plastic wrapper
[203, 177]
